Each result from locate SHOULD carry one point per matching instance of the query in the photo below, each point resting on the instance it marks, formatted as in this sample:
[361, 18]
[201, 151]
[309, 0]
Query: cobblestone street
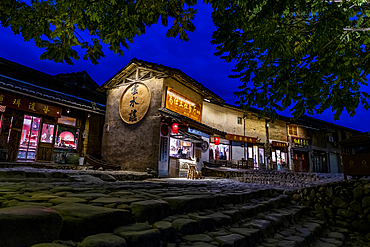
[45, 207]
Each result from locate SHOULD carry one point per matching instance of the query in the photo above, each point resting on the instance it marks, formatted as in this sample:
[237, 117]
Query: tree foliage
[307, 55]
[60, 25]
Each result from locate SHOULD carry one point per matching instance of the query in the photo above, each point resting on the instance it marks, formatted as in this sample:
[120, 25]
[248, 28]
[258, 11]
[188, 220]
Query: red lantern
[217, 140]
[175, 128]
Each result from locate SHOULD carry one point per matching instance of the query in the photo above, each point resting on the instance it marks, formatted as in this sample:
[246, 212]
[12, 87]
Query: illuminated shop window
[293, 130]
[47, 133]
[67, 137]
[219, 152]
[181, 149]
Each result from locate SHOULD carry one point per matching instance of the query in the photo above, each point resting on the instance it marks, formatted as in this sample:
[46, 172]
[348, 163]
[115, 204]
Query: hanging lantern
[175, 128]
[217, 140]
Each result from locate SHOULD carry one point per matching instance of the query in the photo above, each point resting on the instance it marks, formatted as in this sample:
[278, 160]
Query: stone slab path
[70, 209]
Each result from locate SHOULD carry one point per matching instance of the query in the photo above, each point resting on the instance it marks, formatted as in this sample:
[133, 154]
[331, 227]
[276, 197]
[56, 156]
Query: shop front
[300, 154]
[36, 131]
[184, 139]
[252, 155]
[27, 128]
[279, 155]
[219, 150]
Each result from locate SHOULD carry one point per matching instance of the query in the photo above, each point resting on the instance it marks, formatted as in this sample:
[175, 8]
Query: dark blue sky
[195, 58]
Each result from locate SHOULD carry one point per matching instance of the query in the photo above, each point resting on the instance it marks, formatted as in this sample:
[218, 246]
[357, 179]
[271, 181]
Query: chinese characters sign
[241, 138]
[279, 144]
[134, 103]
[299, 142]
[183, 105]
[29, 105]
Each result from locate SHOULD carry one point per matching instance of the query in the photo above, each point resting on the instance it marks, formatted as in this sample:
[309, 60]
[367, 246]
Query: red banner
[279, 144]
[29, 105]
[241, 138]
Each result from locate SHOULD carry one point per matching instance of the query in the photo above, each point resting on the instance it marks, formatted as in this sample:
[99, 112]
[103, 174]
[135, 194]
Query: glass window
[261, 155]
[293, 130]
[219, 152]
[181, 149]
[66, 138]
[255, 158]
[47, 133]
[250, 152]
[29, 138]
[273, 157]
[240, 120]
[67, 120]
[283, 158]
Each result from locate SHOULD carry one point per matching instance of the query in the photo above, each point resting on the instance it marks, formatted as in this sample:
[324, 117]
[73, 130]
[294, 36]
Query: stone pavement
[64, 208]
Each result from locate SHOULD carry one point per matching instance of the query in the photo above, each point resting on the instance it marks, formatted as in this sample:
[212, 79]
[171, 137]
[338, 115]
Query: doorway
[29, 138]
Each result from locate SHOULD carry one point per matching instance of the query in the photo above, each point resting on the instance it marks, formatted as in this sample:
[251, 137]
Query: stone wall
[278, 131]
[341, 203]
[134, 147]
[282, 179]
[344, 203]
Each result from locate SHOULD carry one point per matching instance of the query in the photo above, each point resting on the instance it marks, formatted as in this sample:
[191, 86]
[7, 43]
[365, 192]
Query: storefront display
[29, 138]
[66, 137]
[219, 152]
[181, 149]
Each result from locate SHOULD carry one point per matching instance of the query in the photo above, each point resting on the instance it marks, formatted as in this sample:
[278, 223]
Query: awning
[192, 123]
[188, 137]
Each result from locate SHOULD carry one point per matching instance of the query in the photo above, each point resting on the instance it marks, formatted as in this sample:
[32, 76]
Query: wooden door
[46, 140]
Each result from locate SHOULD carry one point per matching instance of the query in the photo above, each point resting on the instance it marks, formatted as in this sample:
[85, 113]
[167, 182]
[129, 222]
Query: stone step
[236, 225]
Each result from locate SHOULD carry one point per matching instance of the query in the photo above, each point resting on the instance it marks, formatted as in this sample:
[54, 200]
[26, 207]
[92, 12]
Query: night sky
[195, 58]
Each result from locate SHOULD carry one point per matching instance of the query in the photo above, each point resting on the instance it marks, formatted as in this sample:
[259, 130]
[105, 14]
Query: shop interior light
[175, 128]
[68, 110]
[217, 140]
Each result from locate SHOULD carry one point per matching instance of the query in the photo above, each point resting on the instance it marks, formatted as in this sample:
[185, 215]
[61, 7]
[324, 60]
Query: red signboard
[279, 144]
[29, 105]
[241, 138]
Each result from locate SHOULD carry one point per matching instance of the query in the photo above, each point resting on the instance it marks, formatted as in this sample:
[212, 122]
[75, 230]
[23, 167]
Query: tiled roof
[15, 71]
[178, 117]
[28, 89]
[357, 139]
[195, 85]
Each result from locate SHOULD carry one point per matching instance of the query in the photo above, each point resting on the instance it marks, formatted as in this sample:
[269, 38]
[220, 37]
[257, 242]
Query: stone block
[186, 226]
[146, 238]
[340, 203]
[190, 203]
[167, 230]
[206, 223]
[264, 225]
[25, 226]
[252, 235]
[235, 215]
[220, 219]
[366, 202]
[103, 240]
[133, 227]
[80, 220]
[197, 238]
[150, 210]
[232, 240]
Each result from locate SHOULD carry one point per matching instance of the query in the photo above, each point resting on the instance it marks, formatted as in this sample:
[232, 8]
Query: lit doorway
[29, 138]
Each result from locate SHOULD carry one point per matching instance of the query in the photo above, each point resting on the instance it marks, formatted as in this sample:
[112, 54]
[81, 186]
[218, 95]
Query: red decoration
[175, 128]
[217, 140]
